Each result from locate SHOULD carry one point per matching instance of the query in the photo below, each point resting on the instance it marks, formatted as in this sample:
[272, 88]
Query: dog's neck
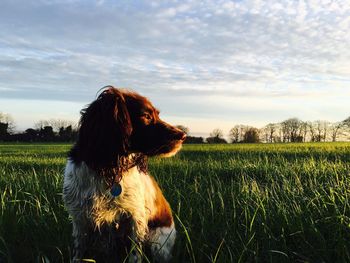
[115, 174]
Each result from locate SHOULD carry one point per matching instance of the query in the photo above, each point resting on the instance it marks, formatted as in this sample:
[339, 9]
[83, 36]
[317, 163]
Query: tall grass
[232, 203]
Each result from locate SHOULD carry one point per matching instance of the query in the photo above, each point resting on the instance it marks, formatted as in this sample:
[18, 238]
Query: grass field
[233, 203]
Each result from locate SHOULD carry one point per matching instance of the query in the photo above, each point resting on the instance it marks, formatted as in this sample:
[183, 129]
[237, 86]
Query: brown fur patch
[163, 216]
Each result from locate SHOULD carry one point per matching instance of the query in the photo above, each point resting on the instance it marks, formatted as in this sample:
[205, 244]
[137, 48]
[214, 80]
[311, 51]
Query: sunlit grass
[232, 203]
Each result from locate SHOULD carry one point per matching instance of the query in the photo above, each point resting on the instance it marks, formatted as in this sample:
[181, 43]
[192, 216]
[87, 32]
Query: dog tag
[116, 189]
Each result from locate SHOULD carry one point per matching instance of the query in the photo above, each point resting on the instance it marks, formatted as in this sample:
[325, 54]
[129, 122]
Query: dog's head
[121, 122]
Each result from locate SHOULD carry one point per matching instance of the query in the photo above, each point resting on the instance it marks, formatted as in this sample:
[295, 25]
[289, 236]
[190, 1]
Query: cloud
[67, 50]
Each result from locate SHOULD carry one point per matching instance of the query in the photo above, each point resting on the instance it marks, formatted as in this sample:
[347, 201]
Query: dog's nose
[180, 136]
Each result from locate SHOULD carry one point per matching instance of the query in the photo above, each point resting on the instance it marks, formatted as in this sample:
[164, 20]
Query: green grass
[232, 203]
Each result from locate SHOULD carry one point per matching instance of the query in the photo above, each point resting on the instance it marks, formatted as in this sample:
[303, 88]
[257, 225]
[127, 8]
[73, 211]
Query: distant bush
[193, 139]
[216, 140]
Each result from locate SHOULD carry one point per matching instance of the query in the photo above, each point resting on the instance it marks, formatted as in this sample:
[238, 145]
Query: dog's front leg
[139, 232]
[81, 236]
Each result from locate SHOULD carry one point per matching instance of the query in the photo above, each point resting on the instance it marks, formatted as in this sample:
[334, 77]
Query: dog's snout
[172, 133]
[180, 136]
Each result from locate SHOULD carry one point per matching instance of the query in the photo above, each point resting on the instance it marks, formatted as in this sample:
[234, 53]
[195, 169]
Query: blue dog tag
[116, 189]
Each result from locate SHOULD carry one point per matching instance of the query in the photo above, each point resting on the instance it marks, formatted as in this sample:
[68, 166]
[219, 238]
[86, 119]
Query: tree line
[54, 130]
[290, 130]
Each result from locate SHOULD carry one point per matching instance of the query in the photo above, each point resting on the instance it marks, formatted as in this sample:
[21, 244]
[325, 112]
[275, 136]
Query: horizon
[204, 64]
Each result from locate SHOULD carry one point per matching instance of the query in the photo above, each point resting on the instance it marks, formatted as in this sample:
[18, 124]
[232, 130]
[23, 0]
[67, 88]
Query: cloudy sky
[204, 64]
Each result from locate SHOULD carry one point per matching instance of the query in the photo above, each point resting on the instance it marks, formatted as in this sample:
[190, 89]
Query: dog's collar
[124, 164]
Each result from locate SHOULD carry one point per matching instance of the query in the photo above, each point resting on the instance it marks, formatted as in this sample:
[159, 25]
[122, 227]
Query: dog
[117, 209]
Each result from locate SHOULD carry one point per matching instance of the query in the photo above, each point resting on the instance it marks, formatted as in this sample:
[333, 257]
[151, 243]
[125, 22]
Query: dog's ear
[105, 128]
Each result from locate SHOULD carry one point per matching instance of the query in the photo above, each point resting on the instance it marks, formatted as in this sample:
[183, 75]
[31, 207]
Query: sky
[204, 64]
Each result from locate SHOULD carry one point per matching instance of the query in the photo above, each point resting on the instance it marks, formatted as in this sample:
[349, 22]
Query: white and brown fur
[118, 131]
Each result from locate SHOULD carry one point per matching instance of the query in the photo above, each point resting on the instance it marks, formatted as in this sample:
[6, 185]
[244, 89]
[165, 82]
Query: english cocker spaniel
[117, 208]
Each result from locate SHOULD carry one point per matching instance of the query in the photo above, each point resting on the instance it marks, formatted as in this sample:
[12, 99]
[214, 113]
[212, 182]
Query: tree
[31, 135]
[295, 125]
[67, 134]
[216, 140]
[41, 124]
[292, 130]
[193, 139]
[56, 129]
[270, 130]
[217, 133]
[56, 124]
[47, 134]
[321, 130]
[285, 129]
[335, 128]
[303, 130]
[236, 134]
[7, 119]
[346, 123]
[216, 136]
[3, 131]
[251, 136]
[312, 130]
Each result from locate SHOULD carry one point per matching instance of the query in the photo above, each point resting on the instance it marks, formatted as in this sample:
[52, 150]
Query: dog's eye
[147, 116]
